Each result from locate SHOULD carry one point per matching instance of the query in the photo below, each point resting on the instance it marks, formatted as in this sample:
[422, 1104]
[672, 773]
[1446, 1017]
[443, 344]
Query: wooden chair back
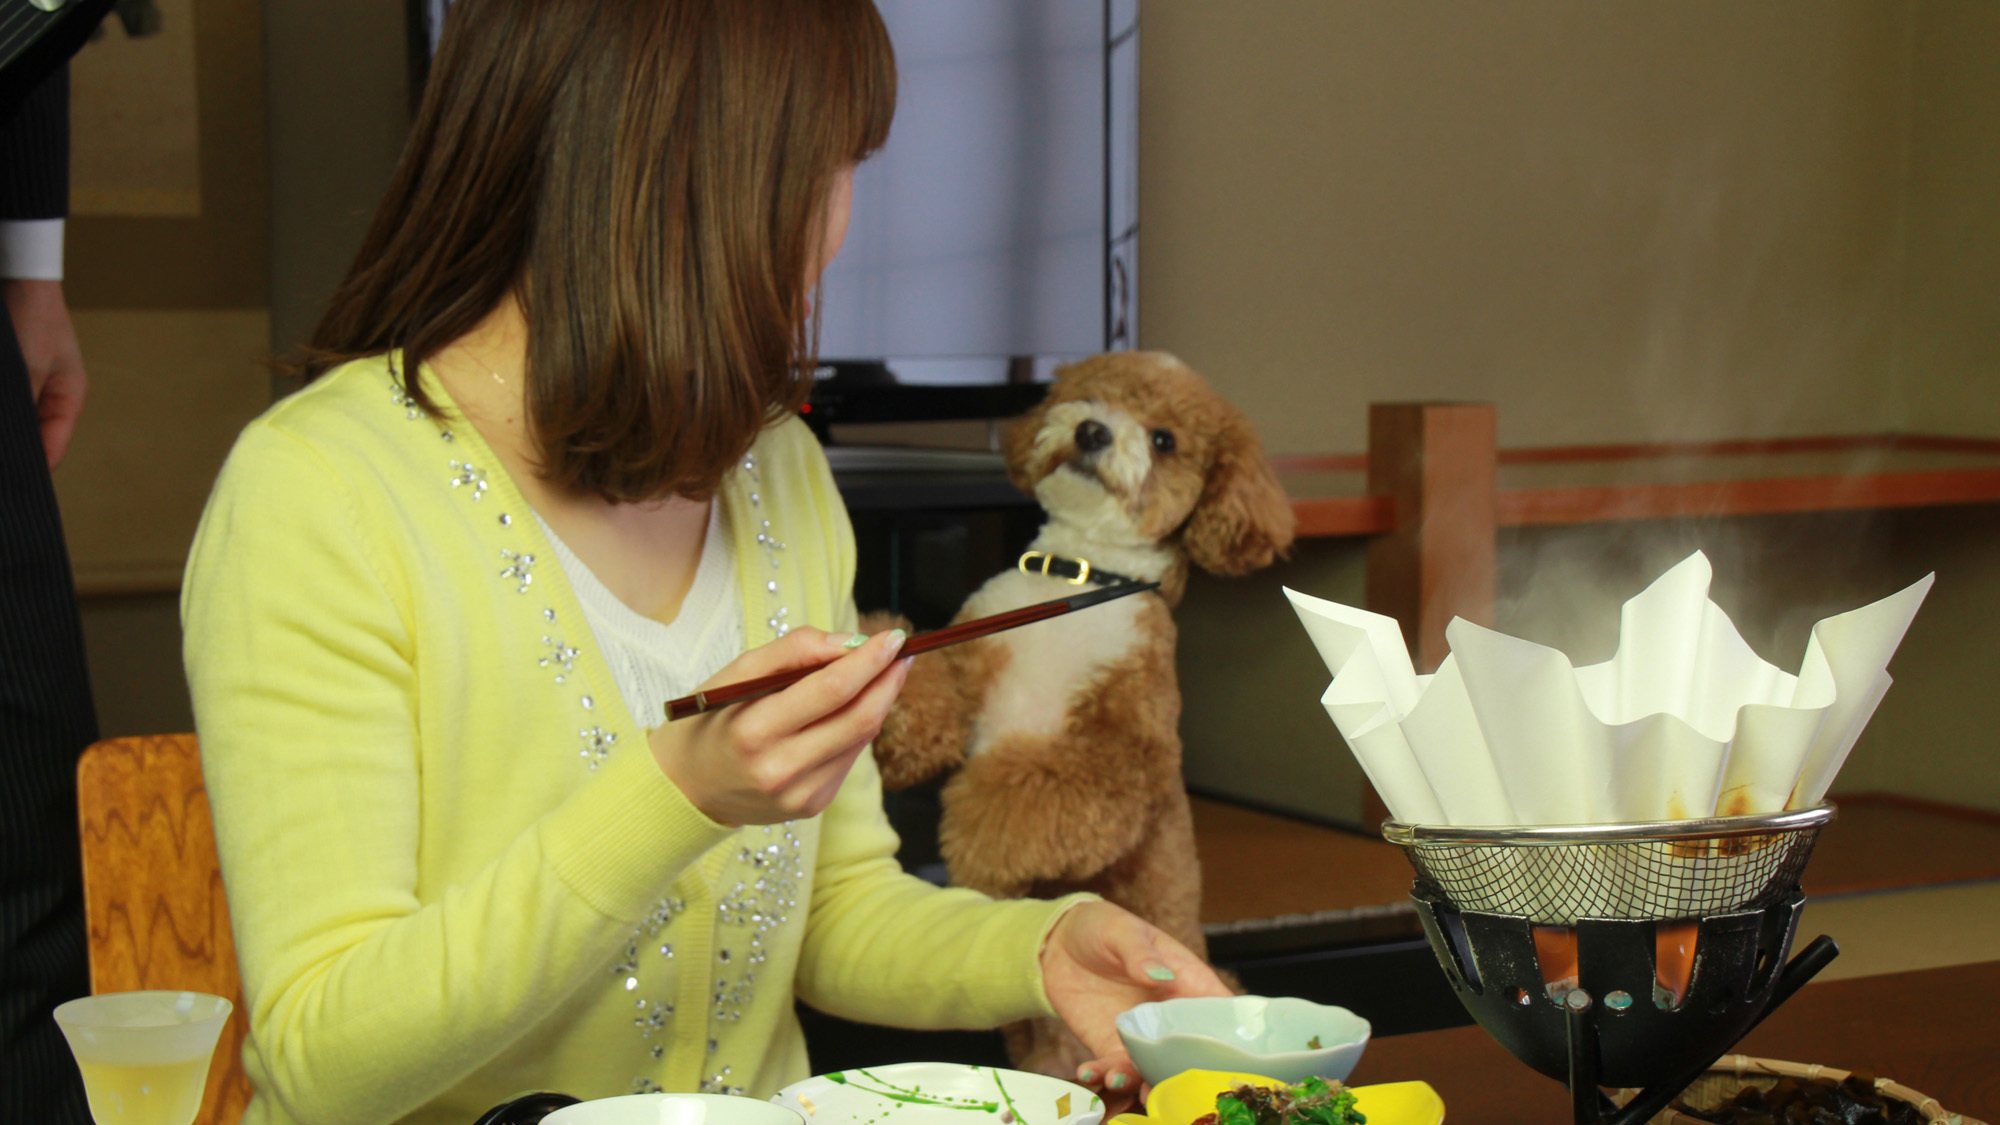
[153, 890]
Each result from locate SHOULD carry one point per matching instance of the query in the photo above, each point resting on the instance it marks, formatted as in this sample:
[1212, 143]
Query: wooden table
[1937, 1031]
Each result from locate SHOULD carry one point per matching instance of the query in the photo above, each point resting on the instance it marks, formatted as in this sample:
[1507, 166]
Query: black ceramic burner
[1483, 893]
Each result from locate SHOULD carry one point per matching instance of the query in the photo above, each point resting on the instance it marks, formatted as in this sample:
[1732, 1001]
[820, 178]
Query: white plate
[940, 1094]
[672, 1109]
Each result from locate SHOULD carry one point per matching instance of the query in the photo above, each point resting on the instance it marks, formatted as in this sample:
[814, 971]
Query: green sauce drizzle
[914, 1095]
[1010, 1101]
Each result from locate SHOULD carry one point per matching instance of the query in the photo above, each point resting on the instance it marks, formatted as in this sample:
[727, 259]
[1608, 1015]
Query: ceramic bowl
[1283, 1038]
[673, 1109]
[940, 1094]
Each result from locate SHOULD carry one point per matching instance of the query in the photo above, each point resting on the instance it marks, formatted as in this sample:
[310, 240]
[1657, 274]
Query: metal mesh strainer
[1655, 870]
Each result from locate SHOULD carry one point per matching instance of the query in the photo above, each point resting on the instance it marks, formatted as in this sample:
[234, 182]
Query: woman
[546, 476]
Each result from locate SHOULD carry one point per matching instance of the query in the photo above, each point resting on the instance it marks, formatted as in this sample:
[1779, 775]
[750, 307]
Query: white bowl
[940, 1094]
[673, 1109]
[1249, 1034]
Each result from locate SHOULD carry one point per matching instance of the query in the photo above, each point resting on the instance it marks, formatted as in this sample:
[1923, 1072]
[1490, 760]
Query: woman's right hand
[783, 756]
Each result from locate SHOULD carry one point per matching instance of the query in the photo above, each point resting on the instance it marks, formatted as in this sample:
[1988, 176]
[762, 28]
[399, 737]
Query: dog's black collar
[1077, 571]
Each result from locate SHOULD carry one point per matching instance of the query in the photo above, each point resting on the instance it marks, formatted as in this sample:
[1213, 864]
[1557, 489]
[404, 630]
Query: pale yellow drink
[164, 1094]
[144, 1055]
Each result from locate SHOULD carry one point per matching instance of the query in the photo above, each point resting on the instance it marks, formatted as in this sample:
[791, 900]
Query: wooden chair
[153, 890]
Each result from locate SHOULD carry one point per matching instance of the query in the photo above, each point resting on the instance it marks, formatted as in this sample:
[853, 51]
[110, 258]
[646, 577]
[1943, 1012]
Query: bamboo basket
[1732, 1072]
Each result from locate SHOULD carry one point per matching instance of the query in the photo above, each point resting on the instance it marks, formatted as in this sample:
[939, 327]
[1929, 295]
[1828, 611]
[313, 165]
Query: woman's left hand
[1100, 960]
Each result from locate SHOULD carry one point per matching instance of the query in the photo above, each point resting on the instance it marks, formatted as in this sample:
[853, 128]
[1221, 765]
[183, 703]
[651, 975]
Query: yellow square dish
[1192, 1093]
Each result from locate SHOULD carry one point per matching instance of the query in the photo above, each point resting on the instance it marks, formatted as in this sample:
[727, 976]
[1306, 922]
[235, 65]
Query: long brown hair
[649, 178]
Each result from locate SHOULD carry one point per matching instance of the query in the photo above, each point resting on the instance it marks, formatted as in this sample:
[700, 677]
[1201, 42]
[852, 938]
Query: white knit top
[652, 662]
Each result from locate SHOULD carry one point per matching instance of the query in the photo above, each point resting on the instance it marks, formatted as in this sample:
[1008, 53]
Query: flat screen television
[996, 235]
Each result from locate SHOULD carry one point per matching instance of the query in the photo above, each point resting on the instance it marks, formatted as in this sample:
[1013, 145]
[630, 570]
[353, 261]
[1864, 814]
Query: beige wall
[1937, 739]
[215, 259]
[168, 286]
[1951, 319]
[178, 313]
[1618, 222]
[1251, 724]
[170, 390]
[1934, 735]
[340, 97]
[133, 642]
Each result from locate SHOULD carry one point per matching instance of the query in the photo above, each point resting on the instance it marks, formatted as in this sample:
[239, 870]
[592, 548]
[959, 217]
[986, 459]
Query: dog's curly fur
[1064, 734]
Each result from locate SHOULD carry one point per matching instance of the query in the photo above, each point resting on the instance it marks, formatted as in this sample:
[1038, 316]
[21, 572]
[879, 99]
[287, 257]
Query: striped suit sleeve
[34, 153]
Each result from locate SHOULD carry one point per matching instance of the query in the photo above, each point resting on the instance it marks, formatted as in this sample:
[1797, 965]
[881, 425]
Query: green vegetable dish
[1312, 1102]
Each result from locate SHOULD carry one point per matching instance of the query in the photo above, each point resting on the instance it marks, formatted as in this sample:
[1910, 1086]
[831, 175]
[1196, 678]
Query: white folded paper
[1685, 721]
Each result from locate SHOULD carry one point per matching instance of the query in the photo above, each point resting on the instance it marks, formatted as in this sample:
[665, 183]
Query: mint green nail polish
[898, 634]
[855, 641]
[1159, 972]
[1086, 1075]
[1119, 1081]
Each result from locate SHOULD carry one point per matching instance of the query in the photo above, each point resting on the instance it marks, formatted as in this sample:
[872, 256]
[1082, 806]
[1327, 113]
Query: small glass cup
[144, 1055]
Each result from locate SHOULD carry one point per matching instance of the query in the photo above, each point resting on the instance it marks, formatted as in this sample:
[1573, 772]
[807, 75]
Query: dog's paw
[1044, 1046]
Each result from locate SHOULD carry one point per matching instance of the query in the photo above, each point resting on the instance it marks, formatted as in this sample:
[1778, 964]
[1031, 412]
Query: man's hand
[1102, 959]
[55, 364]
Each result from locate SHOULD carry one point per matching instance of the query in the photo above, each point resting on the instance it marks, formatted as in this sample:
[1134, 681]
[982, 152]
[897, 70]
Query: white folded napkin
[1685, 721]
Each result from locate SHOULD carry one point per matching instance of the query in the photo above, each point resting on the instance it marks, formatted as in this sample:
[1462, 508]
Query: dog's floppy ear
[1018, 446]
[1018, 442]
[1243, 520]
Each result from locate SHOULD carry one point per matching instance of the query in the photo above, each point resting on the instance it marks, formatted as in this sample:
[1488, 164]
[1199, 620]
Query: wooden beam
[1319, 463]
[1656, 450]
[1746, 447]
[1329, 516]
[1529, 507]
[1436, 463]
[1763, 495]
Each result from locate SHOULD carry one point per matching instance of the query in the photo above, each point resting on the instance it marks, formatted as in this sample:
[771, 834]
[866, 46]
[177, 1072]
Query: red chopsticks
[923, 642]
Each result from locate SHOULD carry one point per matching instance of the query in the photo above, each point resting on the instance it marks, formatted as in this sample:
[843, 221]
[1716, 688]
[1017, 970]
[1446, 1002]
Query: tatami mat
[1896, 931]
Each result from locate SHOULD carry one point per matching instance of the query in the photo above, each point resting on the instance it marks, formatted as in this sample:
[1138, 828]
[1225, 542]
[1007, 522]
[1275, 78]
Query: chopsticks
[727, 694]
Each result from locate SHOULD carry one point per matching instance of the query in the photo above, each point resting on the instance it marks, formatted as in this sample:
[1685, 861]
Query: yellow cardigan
[454, 871]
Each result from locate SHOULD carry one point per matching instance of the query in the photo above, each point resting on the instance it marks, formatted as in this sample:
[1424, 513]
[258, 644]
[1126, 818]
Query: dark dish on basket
[1854, 1100]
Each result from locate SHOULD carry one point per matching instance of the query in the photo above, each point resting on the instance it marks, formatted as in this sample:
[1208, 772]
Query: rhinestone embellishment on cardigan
[651, 1016]
[520, 567]
[777, 612]
[470, 476]
[766, 877]
[402, 397]
[769, 877]
[597, 742]
[560, 656]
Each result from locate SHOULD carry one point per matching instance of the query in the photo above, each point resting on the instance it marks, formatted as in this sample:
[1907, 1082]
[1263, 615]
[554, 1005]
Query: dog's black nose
[1092, 435]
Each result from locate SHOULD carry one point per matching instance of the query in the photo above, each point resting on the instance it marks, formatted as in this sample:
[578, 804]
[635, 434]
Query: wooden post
[1437, 461]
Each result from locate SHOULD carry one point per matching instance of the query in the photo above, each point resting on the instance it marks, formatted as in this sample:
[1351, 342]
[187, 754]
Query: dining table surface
[1936, 1031]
